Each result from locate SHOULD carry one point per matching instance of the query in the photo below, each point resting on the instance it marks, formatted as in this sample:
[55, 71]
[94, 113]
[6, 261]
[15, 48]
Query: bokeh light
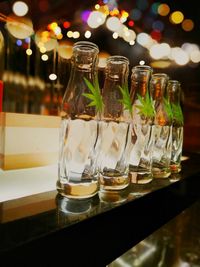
[163, 9]
[65, 49]
[85, 15]
[29, 52]
[136, 14]
[19, 27]
[115, 35]
[102, 59]
[142, 62]
[144, 40]
[52, 76]
[20, 8]
[195, 56]
[176, 17]
[113, 23]
[66, 24]
[158, 25]
[44, 57]
[96, 19]
[187, 25]
[19, 42]
[88, 34]
[154, 7]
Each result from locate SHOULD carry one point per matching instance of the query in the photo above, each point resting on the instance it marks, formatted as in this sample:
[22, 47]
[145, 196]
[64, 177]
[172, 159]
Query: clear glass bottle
[114, 127]
[174, 94]
[162, 127]
[142, 132]
[78, 176]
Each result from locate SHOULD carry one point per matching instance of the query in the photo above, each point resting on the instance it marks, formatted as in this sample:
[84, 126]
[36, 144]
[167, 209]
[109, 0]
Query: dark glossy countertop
[42, 228]
[176, 244]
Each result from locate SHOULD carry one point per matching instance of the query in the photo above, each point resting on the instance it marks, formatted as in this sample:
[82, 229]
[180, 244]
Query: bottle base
[78, 190]
[161, 173]
[114, 183]
[175, 168]
[139, 175]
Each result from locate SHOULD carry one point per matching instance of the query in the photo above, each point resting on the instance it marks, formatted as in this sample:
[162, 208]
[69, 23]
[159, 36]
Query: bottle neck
[140, 81]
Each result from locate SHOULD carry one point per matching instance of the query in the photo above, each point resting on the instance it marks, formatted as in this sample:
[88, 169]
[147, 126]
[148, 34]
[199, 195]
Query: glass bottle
[163, 126]
[142, 132]
[114, 127]
[174, 94]
[79, 125]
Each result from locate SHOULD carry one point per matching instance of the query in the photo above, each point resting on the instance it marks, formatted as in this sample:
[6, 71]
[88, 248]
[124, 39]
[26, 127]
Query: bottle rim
[86, 46]
[174, 82]
[117, 59]
[160, 74]
[142, 67]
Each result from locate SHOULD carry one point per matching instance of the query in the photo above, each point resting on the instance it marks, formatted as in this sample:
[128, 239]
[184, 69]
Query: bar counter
[44, 228]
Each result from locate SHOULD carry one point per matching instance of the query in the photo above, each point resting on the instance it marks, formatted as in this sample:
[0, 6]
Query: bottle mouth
[118, 60]
[85, 46]
[142, 68]
[174, 82]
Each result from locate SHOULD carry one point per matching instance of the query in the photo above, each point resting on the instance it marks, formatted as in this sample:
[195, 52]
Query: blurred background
[36, 39]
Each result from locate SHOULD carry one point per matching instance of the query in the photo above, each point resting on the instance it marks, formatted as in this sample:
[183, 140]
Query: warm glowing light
[179, 56]
[45, 36]
[131, 23]
[20, 8]
[159, 51]
[57, 30]
[45, 39]
[59, 36]
[19, 27]
[44, 57]
[156, 35]
[163, 9]
[76, 35]
[102, 59]
[113, 23]
[160, 64]
[176, 17]
[66, 24]
[142, 62]
[97, 6]
[96, 19]
[53, 26]
[129, 35]
[187, 25]
[114, 12]
[189, 48]
[115, 35]
[123, 19]
[195, 56]
[132, 42]
[125, 14]
[88, 34]
[65, 49]
[52, 76]
[145, 40]
[70, 34]
[29, 52]
[42, 49]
